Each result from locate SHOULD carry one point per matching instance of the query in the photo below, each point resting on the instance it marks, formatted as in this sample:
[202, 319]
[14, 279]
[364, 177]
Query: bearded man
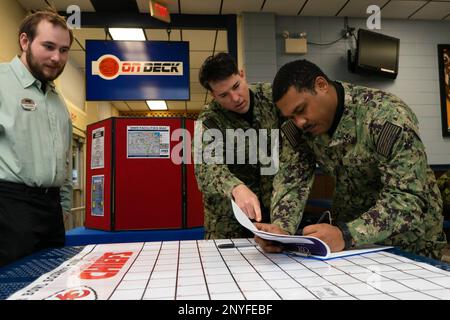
[35, 140]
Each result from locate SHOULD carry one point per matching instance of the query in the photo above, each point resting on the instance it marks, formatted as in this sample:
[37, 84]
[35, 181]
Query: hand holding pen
[328, 233]
[323, 216]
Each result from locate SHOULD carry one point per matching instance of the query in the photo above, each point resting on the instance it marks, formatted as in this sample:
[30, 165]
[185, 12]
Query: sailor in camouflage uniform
[368, 140]
[236, 105]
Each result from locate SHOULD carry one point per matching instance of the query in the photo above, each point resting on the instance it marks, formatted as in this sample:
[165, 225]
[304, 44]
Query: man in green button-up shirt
[35, 140]
[369, 141]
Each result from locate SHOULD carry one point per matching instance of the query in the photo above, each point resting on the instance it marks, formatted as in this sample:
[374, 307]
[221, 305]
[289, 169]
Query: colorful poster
[148, 142]
[98, 196]
[98, 148]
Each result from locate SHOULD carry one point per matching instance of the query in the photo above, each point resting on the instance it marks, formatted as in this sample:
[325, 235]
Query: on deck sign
[137, 70]
[110, 67]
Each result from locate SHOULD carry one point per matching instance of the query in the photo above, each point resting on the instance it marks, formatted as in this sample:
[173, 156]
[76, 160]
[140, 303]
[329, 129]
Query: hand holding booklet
[302, 245]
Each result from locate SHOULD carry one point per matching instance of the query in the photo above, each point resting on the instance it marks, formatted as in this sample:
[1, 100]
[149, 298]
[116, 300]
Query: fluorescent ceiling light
[127, 34]
[156, 104]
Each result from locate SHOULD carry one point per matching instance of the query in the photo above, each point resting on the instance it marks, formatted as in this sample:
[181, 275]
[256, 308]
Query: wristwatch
[349, 243]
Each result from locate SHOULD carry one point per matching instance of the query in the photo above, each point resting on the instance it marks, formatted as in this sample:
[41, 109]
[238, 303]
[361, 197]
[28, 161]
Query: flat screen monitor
[377, 53]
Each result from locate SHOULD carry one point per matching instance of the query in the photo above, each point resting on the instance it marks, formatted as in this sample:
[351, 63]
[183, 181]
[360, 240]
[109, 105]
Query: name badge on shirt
[28, 104]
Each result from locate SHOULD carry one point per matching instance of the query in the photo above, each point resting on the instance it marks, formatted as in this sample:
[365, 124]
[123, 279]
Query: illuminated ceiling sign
[159, 11]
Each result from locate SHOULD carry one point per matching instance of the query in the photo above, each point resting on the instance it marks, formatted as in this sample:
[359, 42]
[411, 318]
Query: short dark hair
[216, 68]
[31, 21]
[299, 73]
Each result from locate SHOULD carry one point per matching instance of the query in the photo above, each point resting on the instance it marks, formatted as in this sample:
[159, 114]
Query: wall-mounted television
[375, 53]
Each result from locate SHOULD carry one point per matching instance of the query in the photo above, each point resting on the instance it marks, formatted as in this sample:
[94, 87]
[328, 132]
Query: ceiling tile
[200, 40]
[324, 8]
[32, 4]
[172, 5]
[433, 11]
[195, 105]
[143, 6]
[239, 6]
[200, 7]
[61, 5]
[138, 105]
[120, 105]
[89, 33]
[176, 105]
[400, 9]
[285, 7]
[358, 8]
[161, 34]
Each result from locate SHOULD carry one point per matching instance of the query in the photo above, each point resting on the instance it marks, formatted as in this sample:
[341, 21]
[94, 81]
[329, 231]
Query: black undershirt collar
[339, 108]
[248, 116]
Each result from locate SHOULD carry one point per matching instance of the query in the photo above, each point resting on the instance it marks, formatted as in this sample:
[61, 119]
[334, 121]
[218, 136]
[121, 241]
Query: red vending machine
[132, 182]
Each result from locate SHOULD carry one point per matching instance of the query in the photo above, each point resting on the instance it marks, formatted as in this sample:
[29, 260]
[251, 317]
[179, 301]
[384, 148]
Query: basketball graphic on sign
[109, 67]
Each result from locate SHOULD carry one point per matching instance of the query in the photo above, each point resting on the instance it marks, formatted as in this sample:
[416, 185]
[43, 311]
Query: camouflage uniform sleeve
[444, 181]
[444, 186]
[212, 178]
[402, 203]
[291, 186]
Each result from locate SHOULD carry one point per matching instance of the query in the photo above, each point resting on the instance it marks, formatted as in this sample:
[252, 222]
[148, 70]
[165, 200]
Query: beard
[37, 69]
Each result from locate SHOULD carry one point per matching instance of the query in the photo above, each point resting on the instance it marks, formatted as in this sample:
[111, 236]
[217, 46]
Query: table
[198, 269]
[83, 236]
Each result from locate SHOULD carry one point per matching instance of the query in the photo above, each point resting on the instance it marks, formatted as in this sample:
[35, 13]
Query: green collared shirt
[35, 132]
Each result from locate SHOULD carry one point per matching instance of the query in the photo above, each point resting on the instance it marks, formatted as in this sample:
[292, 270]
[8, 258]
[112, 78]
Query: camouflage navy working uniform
[444, 186]
[385, 191]
[216, 181]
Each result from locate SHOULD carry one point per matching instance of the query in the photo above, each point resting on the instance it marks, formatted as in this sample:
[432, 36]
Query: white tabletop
[200, 270]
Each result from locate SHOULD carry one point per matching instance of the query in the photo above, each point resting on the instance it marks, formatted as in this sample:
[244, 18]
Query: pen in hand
[324, 215]
[233, 245]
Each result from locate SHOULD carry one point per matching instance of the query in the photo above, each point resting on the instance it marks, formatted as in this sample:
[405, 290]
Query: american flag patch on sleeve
[292, 133]
[388, 136]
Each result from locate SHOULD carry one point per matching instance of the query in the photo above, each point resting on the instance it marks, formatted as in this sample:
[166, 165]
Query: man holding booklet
[368, 140]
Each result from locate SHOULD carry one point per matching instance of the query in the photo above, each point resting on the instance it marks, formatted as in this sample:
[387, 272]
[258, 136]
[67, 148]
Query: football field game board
[199, 270]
